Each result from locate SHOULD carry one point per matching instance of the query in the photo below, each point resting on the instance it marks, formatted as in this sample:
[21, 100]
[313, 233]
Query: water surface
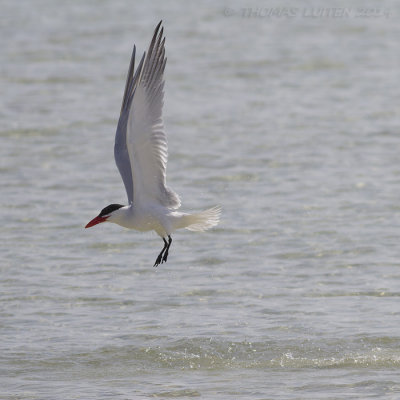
[290, 123]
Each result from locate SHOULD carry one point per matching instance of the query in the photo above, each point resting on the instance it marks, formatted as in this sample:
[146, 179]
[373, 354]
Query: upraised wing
[121, 153]
[146, 138]
[141, 150]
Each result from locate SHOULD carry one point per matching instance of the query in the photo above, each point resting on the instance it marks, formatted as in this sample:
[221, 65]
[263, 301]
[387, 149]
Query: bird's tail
[202, 221]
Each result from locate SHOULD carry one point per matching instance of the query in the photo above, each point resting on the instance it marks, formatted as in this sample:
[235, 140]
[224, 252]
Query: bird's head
[105, 214]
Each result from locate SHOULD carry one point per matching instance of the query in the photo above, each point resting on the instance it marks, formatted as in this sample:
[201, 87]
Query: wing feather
[121, 153]
[146, 140]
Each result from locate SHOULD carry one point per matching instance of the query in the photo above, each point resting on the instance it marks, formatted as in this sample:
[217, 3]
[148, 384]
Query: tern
[141, 155]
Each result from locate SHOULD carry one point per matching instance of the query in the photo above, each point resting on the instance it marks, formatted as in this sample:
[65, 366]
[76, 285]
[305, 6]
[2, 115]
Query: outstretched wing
[121, 153]
[145, 136]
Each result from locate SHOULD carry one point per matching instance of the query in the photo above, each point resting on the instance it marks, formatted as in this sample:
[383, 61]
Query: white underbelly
[144, 222]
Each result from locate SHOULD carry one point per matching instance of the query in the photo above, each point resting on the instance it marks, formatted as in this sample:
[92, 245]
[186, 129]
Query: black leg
[160, 256]
[166, 250]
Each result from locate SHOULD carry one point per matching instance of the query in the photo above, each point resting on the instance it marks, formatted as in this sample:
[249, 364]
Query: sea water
[284, 114]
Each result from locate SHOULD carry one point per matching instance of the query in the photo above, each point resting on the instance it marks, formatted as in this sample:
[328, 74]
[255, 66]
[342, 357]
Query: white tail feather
[202, 221]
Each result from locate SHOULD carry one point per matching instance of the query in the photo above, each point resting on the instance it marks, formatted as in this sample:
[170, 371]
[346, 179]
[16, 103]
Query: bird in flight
[141, 155]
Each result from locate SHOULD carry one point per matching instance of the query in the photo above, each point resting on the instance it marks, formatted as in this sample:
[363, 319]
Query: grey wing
[121, 153]
[145, 135]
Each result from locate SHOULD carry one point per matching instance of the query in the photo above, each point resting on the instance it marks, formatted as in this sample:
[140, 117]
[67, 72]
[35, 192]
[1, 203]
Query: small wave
[211, 354]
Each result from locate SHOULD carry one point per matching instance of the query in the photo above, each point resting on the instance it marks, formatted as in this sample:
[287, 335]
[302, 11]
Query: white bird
[141, 155]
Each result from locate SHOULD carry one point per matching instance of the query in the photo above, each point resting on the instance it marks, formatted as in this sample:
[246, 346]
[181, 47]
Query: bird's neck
[122, 216]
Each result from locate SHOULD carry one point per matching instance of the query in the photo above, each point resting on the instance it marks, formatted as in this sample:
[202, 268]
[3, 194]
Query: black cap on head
[109, 209]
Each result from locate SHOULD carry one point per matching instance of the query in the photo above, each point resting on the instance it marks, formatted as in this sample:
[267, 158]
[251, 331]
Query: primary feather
[140, 135]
